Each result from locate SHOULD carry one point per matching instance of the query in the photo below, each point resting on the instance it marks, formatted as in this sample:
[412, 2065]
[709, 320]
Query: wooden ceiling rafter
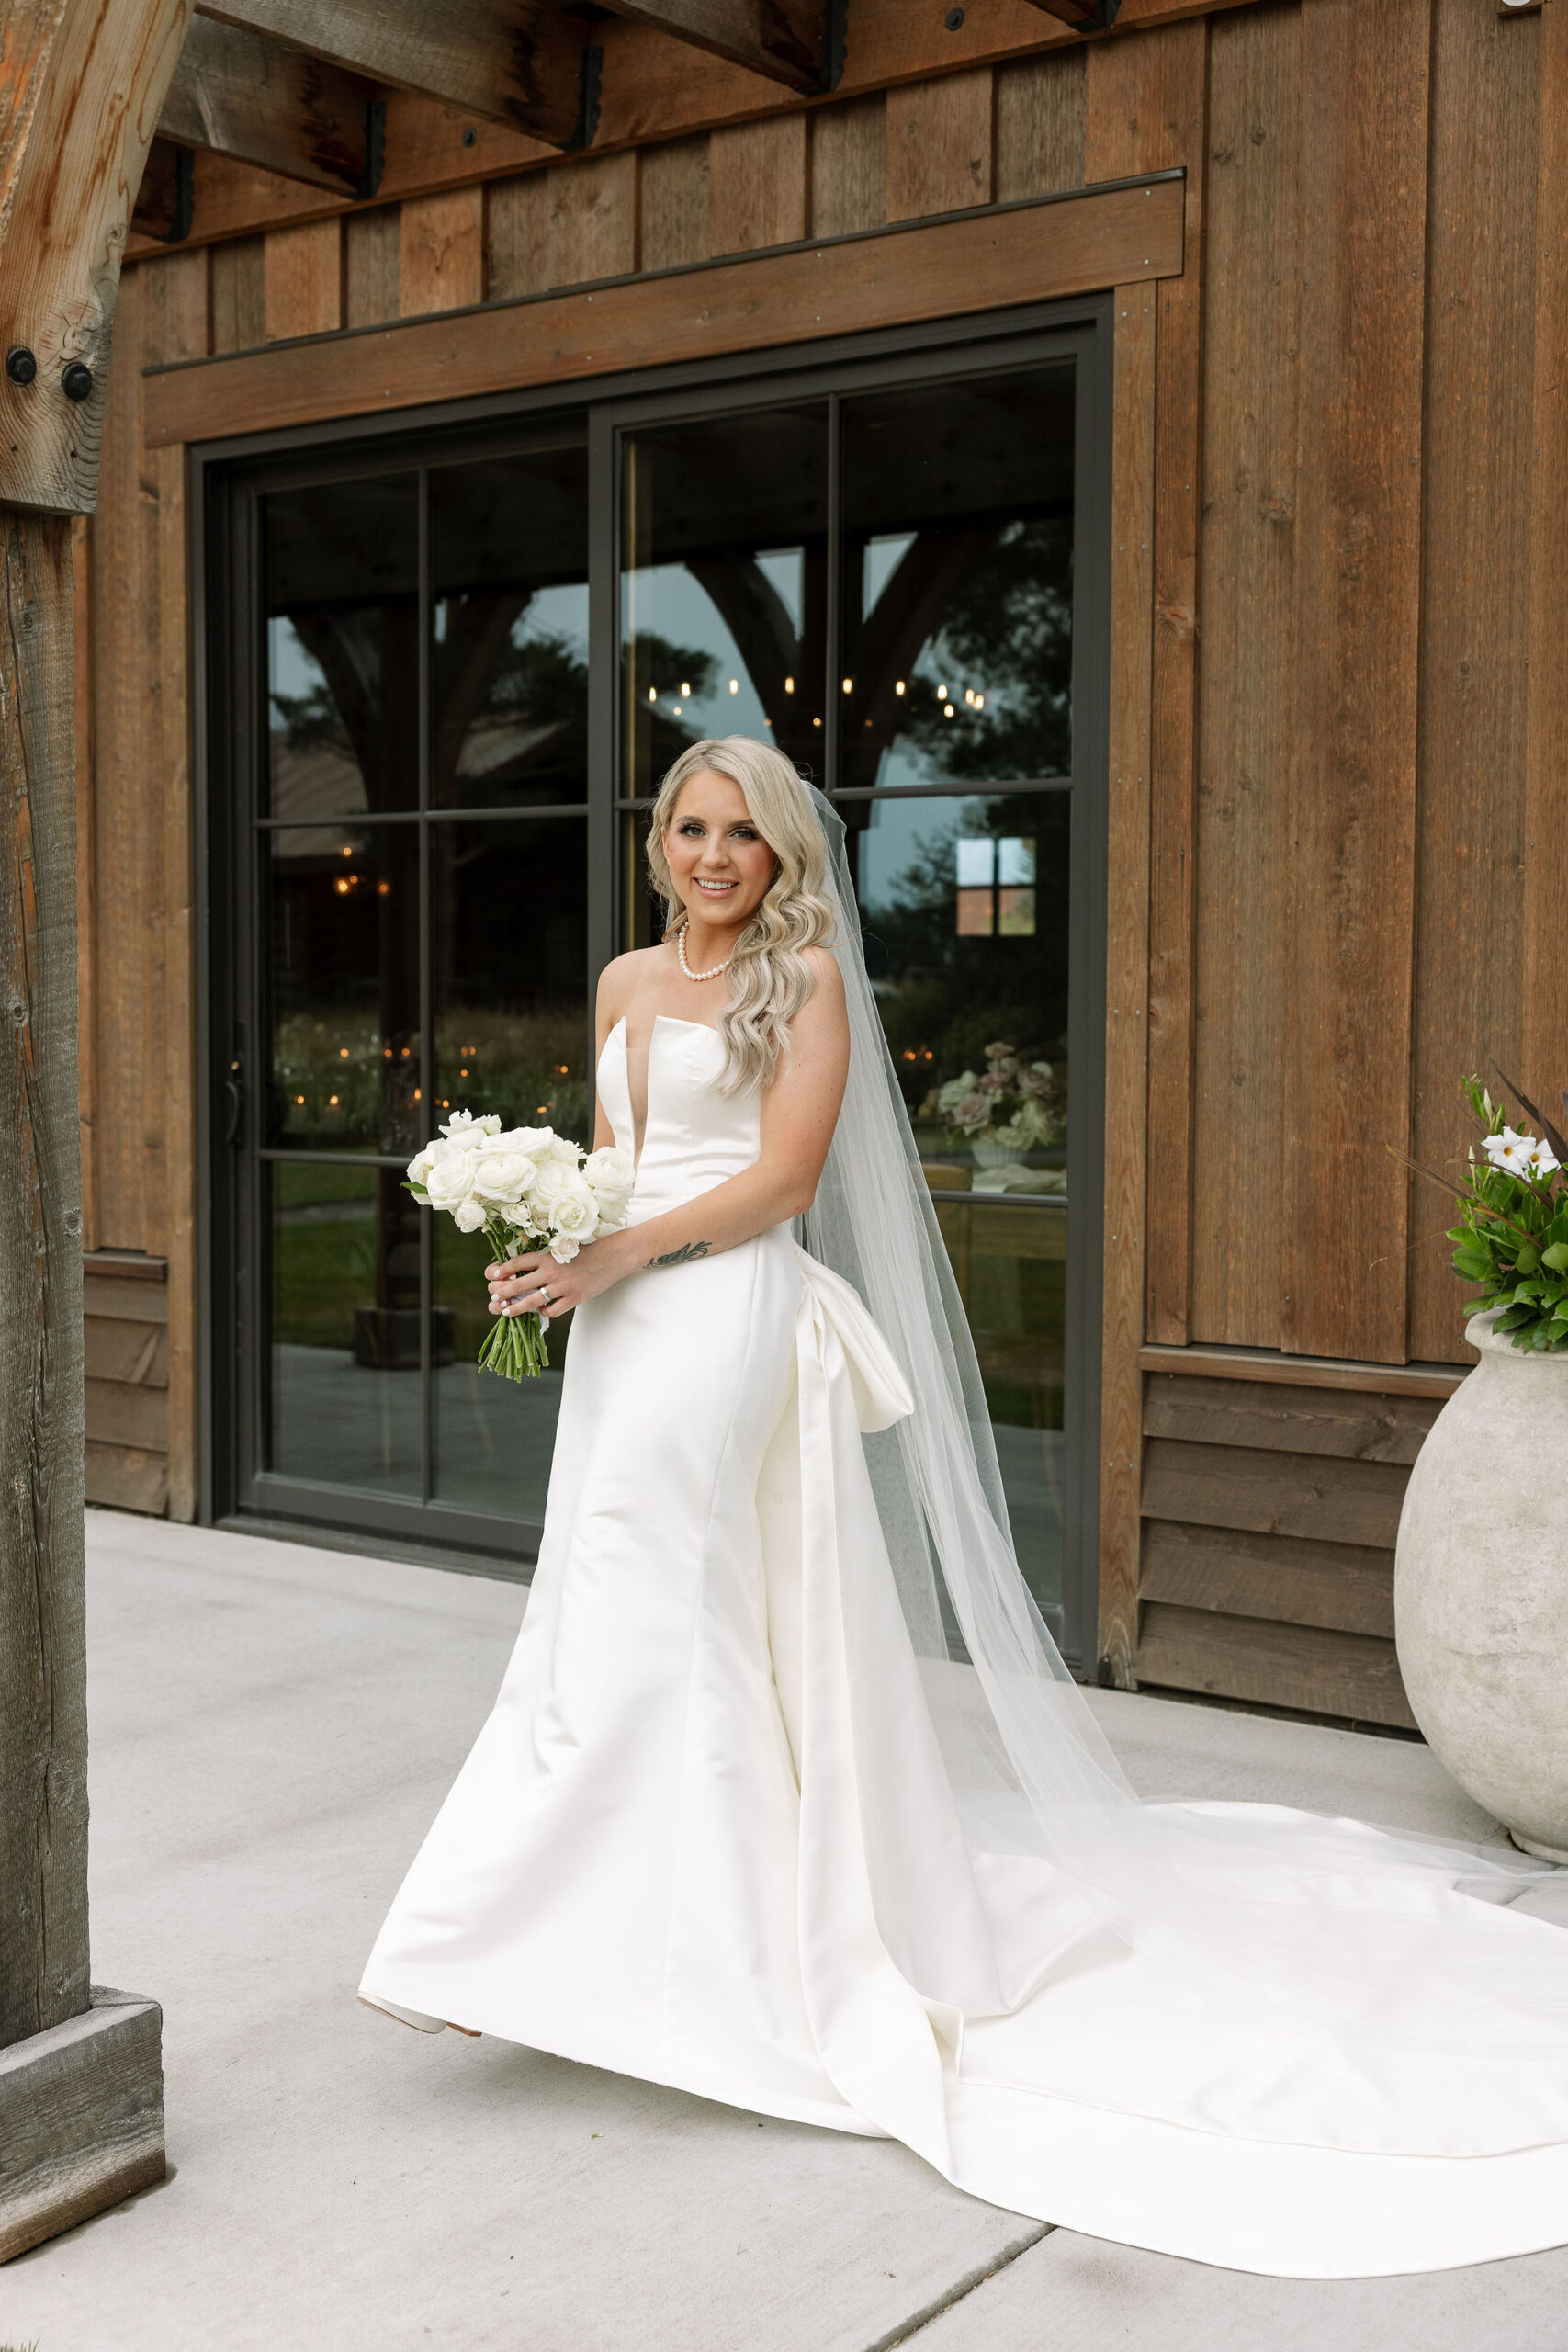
[1083, 15]
[797, 42]
[240, 93]
[521, 63]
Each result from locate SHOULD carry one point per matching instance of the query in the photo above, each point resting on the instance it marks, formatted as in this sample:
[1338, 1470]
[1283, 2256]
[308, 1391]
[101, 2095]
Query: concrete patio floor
[273, 1728]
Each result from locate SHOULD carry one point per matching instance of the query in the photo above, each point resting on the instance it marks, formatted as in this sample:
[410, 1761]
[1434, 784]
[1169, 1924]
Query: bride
[786, 1798]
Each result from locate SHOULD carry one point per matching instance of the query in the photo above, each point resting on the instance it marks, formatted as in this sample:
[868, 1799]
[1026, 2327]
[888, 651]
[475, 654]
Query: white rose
[451, 1180]
[468, 1217]
[464, 1124]
[563, 1249]
[562, 1148]
[575, 1214]
[503, 1175]
[609, 1171]
[419, 1167]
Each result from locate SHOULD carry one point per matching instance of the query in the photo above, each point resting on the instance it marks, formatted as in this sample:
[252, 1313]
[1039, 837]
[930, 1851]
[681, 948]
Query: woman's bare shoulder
[623, 976]
[827, 982]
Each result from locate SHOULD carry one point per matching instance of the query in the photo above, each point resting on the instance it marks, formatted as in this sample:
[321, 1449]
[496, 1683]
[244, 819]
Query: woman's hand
[517, 1285]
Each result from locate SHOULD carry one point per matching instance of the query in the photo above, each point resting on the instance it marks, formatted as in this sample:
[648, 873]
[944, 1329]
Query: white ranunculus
[575, 1212]
[451, 1179]
[562, 1148]
[469, 1215]
[564, 1249]
[554, 1175]
[463, 1123]
[503, 1175]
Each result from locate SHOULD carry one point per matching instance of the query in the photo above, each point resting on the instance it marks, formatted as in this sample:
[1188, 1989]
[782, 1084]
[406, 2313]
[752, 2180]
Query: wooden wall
[1339, 853]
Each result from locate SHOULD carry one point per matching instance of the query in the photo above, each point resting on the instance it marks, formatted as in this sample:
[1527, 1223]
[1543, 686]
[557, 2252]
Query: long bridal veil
[1220, 1890]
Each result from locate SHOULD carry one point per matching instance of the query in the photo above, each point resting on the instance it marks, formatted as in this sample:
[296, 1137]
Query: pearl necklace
[681, 951]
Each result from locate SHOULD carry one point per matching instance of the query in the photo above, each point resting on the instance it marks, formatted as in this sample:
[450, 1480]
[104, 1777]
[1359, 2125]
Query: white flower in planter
[1510, 1151]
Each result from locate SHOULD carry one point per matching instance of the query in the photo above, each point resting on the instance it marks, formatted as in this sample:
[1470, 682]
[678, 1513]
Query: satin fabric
[706, 1837]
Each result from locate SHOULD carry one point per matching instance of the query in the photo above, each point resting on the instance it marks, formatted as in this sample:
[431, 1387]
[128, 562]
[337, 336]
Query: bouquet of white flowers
[525, 1188]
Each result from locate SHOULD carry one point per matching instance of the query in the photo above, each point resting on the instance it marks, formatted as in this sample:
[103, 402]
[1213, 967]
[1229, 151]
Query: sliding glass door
[450, 671]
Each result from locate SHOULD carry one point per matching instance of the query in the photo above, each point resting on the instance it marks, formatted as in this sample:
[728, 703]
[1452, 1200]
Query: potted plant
[1481, 1573]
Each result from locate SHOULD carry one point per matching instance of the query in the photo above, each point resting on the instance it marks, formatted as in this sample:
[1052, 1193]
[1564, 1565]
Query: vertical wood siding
[1339, 852]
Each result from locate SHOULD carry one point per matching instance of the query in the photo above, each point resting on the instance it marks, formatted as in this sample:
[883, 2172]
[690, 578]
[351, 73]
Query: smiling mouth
[715, 889]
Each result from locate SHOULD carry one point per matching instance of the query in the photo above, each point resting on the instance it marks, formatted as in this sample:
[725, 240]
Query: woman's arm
[800, 1110]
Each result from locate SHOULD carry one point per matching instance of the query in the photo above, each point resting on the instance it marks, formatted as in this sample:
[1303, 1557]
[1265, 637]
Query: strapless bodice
[695, 1137]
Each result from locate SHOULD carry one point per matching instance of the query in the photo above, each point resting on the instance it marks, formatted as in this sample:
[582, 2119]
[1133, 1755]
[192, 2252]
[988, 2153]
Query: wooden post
[81, 2084]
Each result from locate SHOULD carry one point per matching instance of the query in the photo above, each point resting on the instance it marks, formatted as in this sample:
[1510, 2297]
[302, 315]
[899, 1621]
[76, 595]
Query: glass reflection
[963, 899]
[344, 1292]
[493, 1440]
[510, 552]
[342, 987]
[509, 943]
[342, 648]
[724, 586]
[957, 582]
[1009, 1257]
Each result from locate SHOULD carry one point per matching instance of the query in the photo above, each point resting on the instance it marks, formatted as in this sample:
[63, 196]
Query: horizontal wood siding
[126, 1311]
[1270, 1517]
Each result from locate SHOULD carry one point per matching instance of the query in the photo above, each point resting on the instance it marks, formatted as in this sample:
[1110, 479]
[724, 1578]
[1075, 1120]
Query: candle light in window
[653, 694]
[816, 722]
[382, 889]
[299, 1098]
[347, 850]
[941, 693]
[462, 1073]
[969, 696]
[686, 692]
[979, 702]
[734, 685]
[898, 688]
[789, 686]
[341, 887]
[416, 1094]
[849, 685]
[343, 1053]
[676, 708]
[331, 1100]
[947, 707]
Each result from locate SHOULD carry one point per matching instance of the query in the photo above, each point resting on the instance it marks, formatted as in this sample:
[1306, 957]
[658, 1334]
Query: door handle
[234, 1102]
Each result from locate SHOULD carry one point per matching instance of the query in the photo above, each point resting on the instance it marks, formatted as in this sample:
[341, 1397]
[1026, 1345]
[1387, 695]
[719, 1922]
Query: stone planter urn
[1480, 1590]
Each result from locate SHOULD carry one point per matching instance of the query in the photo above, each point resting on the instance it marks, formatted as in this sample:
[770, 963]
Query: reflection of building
[971, 432]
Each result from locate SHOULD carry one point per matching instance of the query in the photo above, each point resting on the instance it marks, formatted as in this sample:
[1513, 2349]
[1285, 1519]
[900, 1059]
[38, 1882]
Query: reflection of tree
[658, 737]
[947, 998]
[987, 604]
[517, 704]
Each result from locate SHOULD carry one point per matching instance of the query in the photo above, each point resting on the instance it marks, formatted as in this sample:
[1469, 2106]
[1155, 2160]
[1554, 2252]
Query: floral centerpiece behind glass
[1008, 1115]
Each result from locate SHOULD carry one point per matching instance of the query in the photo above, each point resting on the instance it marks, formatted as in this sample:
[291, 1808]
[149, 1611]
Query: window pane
[1010, 1260]
[965, 904]
[509, 936]
[724, 586]
[342, 647]
[510, 549]
[344, 1339]
[342, 986]
[493, 1438]
[957, 582]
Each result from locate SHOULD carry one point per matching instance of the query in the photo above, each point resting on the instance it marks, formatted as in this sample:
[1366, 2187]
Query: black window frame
[227, 479]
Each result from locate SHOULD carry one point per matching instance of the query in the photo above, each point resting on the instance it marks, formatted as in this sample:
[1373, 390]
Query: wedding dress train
[708, 1836]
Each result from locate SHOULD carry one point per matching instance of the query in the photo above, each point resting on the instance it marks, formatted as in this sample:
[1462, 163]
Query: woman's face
[720, 862]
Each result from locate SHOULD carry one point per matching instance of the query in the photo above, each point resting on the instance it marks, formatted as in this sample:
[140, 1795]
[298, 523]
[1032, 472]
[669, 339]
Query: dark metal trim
[1075, 329]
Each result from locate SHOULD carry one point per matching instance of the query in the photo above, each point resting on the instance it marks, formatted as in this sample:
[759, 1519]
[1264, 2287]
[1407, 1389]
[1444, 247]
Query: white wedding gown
[706, 1837]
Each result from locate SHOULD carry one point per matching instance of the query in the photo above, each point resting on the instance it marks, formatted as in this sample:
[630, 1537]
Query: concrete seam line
[956, 2292]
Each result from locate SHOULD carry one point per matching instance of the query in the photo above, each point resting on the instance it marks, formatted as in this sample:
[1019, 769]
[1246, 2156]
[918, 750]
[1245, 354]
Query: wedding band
[544, 1292]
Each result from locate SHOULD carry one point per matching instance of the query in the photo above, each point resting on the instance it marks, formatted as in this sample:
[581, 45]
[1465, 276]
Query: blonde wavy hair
[770, 979]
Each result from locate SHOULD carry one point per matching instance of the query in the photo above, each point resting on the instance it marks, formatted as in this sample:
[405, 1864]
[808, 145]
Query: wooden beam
[1025, 253]
[1084, 16]
[1304, 1372]
[517, 61]
[165, 201]
[1126, 976]
[82, 86]
[792, 41]
[239, 93]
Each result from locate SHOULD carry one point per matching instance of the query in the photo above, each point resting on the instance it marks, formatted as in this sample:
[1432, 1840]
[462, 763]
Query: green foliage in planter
[1512, 1237]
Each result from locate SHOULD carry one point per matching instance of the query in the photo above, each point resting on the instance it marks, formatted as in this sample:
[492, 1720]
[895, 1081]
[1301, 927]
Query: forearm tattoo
[682, 1257]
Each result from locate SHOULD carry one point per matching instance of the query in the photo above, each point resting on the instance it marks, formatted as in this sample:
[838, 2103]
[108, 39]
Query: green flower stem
[516, 1348]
